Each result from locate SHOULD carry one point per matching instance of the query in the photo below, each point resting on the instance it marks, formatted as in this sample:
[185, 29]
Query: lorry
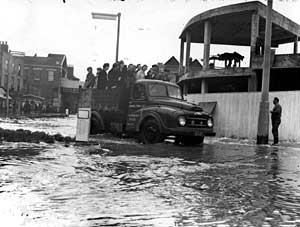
[149, 110]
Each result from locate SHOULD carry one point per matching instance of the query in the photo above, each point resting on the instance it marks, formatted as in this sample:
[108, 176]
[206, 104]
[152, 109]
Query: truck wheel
[150, 132]
[192, 140]
[95, 125]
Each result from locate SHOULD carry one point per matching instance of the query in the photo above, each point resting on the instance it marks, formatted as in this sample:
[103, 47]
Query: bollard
[83, 124]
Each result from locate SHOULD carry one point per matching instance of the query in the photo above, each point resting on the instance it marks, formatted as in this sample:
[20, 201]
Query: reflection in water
[122, 183]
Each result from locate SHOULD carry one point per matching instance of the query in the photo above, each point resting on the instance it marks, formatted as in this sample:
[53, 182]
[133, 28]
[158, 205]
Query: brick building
[52, 80]
[42, 78]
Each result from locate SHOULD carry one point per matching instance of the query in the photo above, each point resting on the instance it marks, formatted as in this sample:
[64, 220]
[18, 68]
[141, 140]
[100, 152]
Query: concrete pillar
[207, 38]
[254, 35]
[188, 50]
[204, 86]
[180, 69]
[206, 53]
[263, 117]
[296, 45]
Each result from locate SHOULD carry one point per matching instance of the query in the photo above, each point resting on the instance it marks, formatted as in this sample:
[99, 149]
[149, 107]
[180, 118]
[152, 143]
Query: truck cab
[150, 110]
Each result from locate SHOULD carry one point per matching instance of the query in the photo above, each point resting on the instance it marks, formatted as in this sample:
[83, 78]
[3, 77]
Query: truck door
[138, 99]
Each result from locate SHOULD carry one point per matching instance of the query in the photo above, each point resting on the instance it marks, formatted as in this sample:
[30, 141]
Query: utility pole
[118, 37]
[263, 118]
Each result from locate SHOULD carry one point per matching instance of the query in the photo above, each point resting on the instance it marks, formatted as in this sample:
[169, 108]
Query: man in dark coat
[276, 119]
[114, 76]
[90, 78]
[102, 77]
[153, 73]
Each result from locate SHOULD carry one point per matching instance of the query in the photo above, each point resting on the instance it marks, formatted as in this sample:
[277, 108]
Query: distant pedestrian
[102, 77]
[90, 78]
[26, 107]
[276, 119]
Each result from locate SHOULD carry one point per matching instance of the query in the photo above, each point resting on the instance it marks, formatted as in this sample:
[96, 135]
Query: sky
[149, 33]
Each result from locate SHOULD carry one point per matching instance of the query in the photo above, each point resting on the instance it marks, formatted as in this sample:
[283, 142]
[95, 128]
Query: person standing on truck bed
[141, 74]
[122, 73]
[102, 81]
[90, 78]
[130, 75]
[113, 76]
[153, 73]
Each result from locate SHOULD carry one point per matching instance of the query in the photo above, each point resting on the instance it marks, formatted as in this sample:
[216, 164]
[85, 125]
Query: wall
[236, 114]
[42, 87]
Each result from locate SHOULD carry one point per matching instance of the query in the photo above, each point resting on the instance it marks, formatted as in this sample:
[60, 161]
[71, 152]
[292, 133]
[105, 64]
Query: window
[174, 92]
[157, 90]
[18, 84]
[12, 85]
[6, 80]
[6, 65]
[50, 76]
[139, 92]
[19, 70]
[37, 74]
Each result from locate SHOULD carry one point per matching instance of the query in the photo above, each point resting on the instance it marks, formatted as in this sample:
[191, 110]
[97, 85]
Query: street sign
[104, 16]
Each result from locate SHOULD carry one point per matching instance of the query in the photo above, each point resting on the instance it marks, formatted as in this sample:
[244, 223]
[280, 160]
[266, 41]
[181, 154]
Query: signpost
[263, 118]
[106, 16]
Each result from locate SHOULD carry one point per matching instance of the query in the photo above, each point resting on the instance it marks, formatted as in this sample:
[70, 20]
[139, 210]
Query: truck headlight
[181, 121]
[210, 123]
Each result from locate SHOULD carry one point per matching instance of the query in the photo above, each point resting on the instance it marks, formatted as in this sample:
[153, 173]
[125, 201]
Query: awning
[208, 107]
[34, 97]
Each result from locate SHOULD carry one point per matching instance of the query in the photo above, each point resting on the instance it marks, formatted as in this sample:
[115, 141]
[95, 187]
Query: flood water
[118, 182]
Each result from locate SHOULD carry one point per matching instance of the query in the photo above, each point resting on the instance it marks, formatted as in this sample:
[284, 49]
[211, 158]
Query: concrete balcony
[214, 73]
[278, 61]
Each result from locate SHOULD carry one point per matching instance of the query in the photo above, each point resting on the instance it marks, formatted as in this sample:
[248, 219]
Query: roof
[196, 63]
[149, 81]
[50, 60]
[231, 25]
[172, 62]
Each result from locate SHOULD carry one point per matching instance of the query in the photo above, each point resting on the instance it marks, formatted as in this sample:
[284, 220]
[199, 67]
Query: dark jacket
[90, 80]
[276, 113]
[102, 79]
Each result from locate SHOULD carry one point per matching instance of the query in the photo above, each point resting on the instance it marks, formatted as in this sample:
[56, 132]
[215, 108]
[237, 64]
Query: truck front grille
[196, 122]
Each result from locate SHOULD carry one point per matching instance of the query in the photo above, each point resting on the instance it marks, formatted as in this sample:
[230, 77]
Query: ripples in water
[122, 183]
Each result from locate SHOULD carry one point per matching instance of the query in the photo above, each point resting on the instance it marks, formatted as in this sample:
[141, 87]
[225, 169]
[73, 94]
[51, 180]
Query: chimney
[4, 47]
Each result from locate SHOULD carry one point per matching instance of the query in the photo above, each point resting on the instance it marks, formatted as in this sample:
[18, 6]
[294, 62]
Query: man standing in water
[276, 119]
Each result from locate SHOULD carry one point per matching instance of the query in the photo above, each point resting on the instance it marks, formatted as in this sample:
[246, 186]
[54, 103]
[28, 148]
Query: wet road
[121, 183]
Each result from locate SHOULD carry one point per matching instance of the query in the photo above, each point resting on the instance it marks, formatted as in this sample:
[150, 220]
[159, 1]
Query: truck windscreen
[161, 90]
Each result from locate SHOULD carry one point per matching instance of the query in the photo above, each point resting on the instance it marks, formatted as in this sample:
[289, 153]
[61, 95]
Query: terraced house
[42, 78]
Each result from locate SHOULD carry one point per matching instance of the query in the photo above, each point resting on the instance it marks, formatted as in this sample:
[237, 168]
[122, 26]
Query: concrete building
[236, 90]
[243, 25]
